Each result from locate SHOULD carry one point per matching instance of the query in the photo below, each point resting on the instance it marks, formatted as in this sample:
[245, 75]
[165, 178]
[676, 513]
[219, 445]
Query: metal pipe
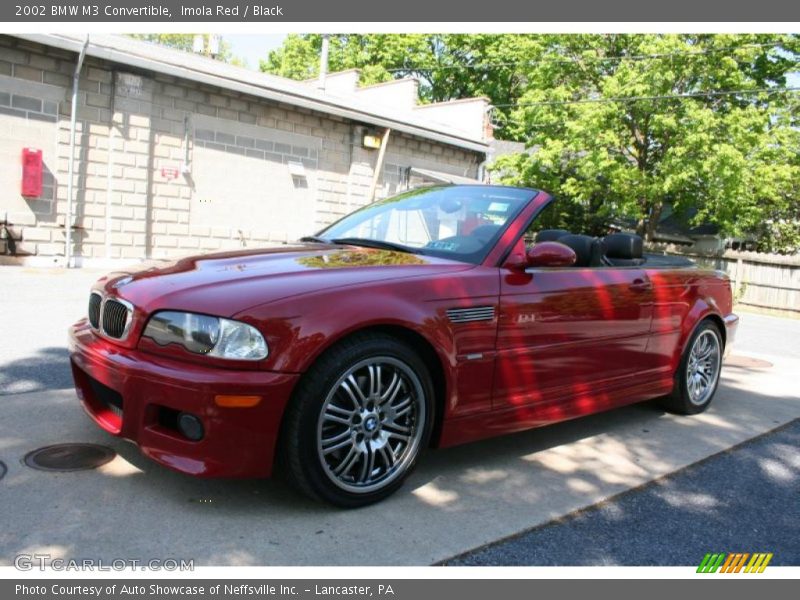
[482, 172]
[185, 168]
[323, 61]
[71, 168]
[379, 164]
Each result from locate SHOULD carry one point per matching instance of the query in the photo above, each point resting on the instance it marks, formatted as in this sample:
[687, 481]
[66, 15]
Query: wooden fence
[763, 280]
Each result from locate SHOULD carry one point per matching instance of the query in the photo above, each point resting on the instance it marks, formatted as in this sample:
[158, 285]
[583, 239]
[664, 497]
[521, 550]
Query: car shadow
[48, 369]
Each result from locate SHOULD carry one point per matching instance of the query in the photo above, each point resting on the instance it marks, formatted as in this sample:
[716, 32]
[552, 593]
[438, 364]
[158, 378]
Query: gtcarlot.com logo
[43, 562]
[735, 562]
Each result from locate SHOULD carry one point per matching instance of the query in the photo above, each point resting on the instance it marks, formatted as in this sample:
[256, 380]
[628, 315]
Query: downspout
[112, 132]
[482, 171]
[379, 165]
[71, 168]
[356, 131]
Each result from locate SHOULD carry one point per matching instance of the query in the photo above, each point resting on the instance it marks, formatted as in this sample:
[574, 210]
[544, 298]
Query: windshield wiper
[368, 243]
[314, 238]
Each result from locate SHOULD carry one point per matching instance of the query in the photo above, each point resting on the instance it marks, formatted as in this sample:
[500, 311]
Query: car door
[568, 336]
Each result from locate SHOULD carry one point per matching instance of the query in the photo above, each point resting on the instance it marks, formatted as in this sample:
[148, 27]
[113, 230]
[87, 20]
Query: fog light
[190, 426]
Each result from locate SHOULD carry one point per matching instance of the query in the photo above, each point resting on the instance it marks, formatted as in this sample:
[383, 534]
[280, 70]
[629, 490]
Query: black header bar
[515, 11]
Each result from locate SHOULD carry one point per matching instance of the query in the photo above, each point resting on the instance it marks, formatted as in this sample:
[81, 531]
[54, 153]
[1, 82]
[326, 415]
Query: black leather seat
[550, 235]
[624, 250]
[588, 250]
[484, 233]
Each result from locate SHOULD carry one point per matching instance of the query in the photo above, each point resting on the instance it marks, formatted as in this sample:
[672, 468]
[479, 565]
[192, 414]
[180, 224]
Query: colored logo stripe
[710, 563]
[737, 563]
[734, 562]
[758, 563]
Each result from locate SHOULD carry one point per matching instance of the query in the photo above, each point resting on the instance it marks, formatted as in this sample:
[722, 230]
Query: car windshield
[457, 222]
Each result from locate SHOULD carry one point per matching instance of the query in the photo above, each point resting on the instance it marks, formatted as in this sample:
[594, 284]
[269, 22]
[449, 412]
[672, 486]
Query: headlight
[212, 336]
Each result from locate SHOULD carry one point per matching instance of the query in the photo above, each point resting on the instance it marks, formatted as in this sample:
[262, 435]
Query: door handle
[640, 285]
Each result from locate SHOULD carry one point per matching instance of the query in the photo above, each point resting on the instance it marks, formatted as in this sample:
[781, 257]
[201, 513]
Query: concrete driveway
[457, 499]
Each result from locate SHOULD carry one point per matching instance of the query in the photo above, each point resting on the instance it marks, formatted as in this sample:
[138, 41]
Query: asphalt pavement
[744, 499]
[38, 305]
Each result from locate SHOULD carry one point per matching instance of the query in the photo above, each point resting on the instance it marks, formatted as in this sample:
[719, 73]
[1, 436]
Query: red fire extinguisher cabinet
[31, 172]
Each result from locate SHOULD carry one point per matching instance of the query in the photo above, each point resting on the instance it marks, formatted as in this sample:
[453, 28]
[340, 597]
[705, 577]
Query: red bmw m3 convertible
[437, 317]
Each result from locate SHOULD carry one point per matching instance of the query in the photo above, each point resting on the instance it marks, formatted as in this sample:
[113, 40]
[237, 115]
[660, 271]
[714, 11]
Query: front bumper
[136, 395]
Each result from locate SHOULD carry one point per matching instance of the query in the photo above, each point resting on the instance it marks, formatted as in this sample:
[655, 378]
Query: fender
[360, 320]
[300, 331]
[701, 310]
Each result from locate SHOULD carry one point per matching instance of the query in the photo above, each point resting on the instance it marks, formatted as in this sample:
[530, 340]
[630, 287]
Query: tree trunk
[652, 220]
[641, 224]
[641, 227]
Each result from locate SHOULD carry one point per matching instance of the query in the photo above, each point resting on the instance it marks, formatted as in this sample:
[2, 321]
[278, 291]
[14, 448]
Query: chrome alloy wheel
[702, 369]
[371, 424]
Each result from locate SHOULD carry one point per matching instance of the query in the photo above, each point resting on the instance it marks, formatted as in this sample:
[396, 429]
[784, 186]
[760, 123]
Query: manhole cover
[69, 457]
[2, 469]
[745, 362]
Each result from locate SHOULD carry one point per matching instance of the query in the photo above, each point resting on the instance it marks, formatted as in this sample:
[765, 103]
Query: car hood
[227, 283]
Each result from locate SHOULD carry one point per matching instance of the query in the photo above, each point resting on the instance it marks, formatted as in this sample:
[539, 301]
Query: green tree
[185, 42]
[622, 125]
[448, 66]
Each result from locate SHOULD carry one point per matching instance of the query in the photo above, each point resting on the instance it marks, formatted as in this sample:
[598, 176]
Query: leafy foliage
[731, 156]
[448, 66]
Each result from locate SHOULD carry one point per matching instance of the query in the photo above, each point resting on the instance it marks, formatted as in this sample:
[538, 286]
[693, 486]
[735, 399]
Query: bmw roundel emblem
[124, 281]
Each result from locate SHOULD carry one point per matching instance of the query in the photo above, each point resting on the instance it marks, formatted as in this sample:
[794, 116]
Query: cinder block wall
[136, 131]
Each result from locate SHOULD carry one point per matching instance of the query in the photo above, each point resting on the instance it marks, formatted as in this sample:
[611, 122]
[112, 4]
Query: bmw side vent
[471, 314]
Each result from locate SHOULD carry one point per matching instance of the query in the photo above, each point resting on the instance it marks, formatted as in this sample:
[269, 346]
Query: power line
[577, 59]
[659, 97]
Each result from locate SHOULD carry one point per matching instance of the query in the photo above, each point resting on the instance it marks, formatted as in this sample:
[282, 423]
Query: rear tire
[358, 421]
[697, 377]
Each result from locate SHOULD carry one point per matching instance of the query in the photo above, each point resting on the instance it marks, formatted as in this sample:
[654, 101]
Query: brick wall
[236, 159]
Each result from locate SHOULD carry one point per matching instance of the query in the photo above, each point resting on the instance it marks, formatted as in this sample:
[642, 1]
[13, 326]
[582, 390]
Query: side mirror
[550, 254]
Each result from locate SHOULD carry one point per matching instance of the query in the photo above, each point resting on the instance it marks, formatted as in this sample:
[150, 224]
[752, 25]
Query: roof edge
[295, 95]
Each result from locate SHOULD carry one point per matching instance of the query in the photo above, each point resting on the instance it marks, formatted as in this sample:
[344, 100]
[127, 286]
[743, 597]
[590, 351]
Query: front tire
[697, 377]
[358, 421]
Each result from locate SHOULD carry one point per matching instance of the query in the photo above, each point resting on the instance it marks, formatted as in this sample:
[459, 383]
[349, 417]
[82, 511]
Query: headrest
[588, 250]
[550, 235]
[624, 245]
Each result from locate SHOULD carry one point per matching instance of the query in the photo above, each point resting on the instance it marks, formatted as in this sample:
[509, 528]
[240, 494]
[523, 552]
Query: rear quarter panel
[681, 299]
